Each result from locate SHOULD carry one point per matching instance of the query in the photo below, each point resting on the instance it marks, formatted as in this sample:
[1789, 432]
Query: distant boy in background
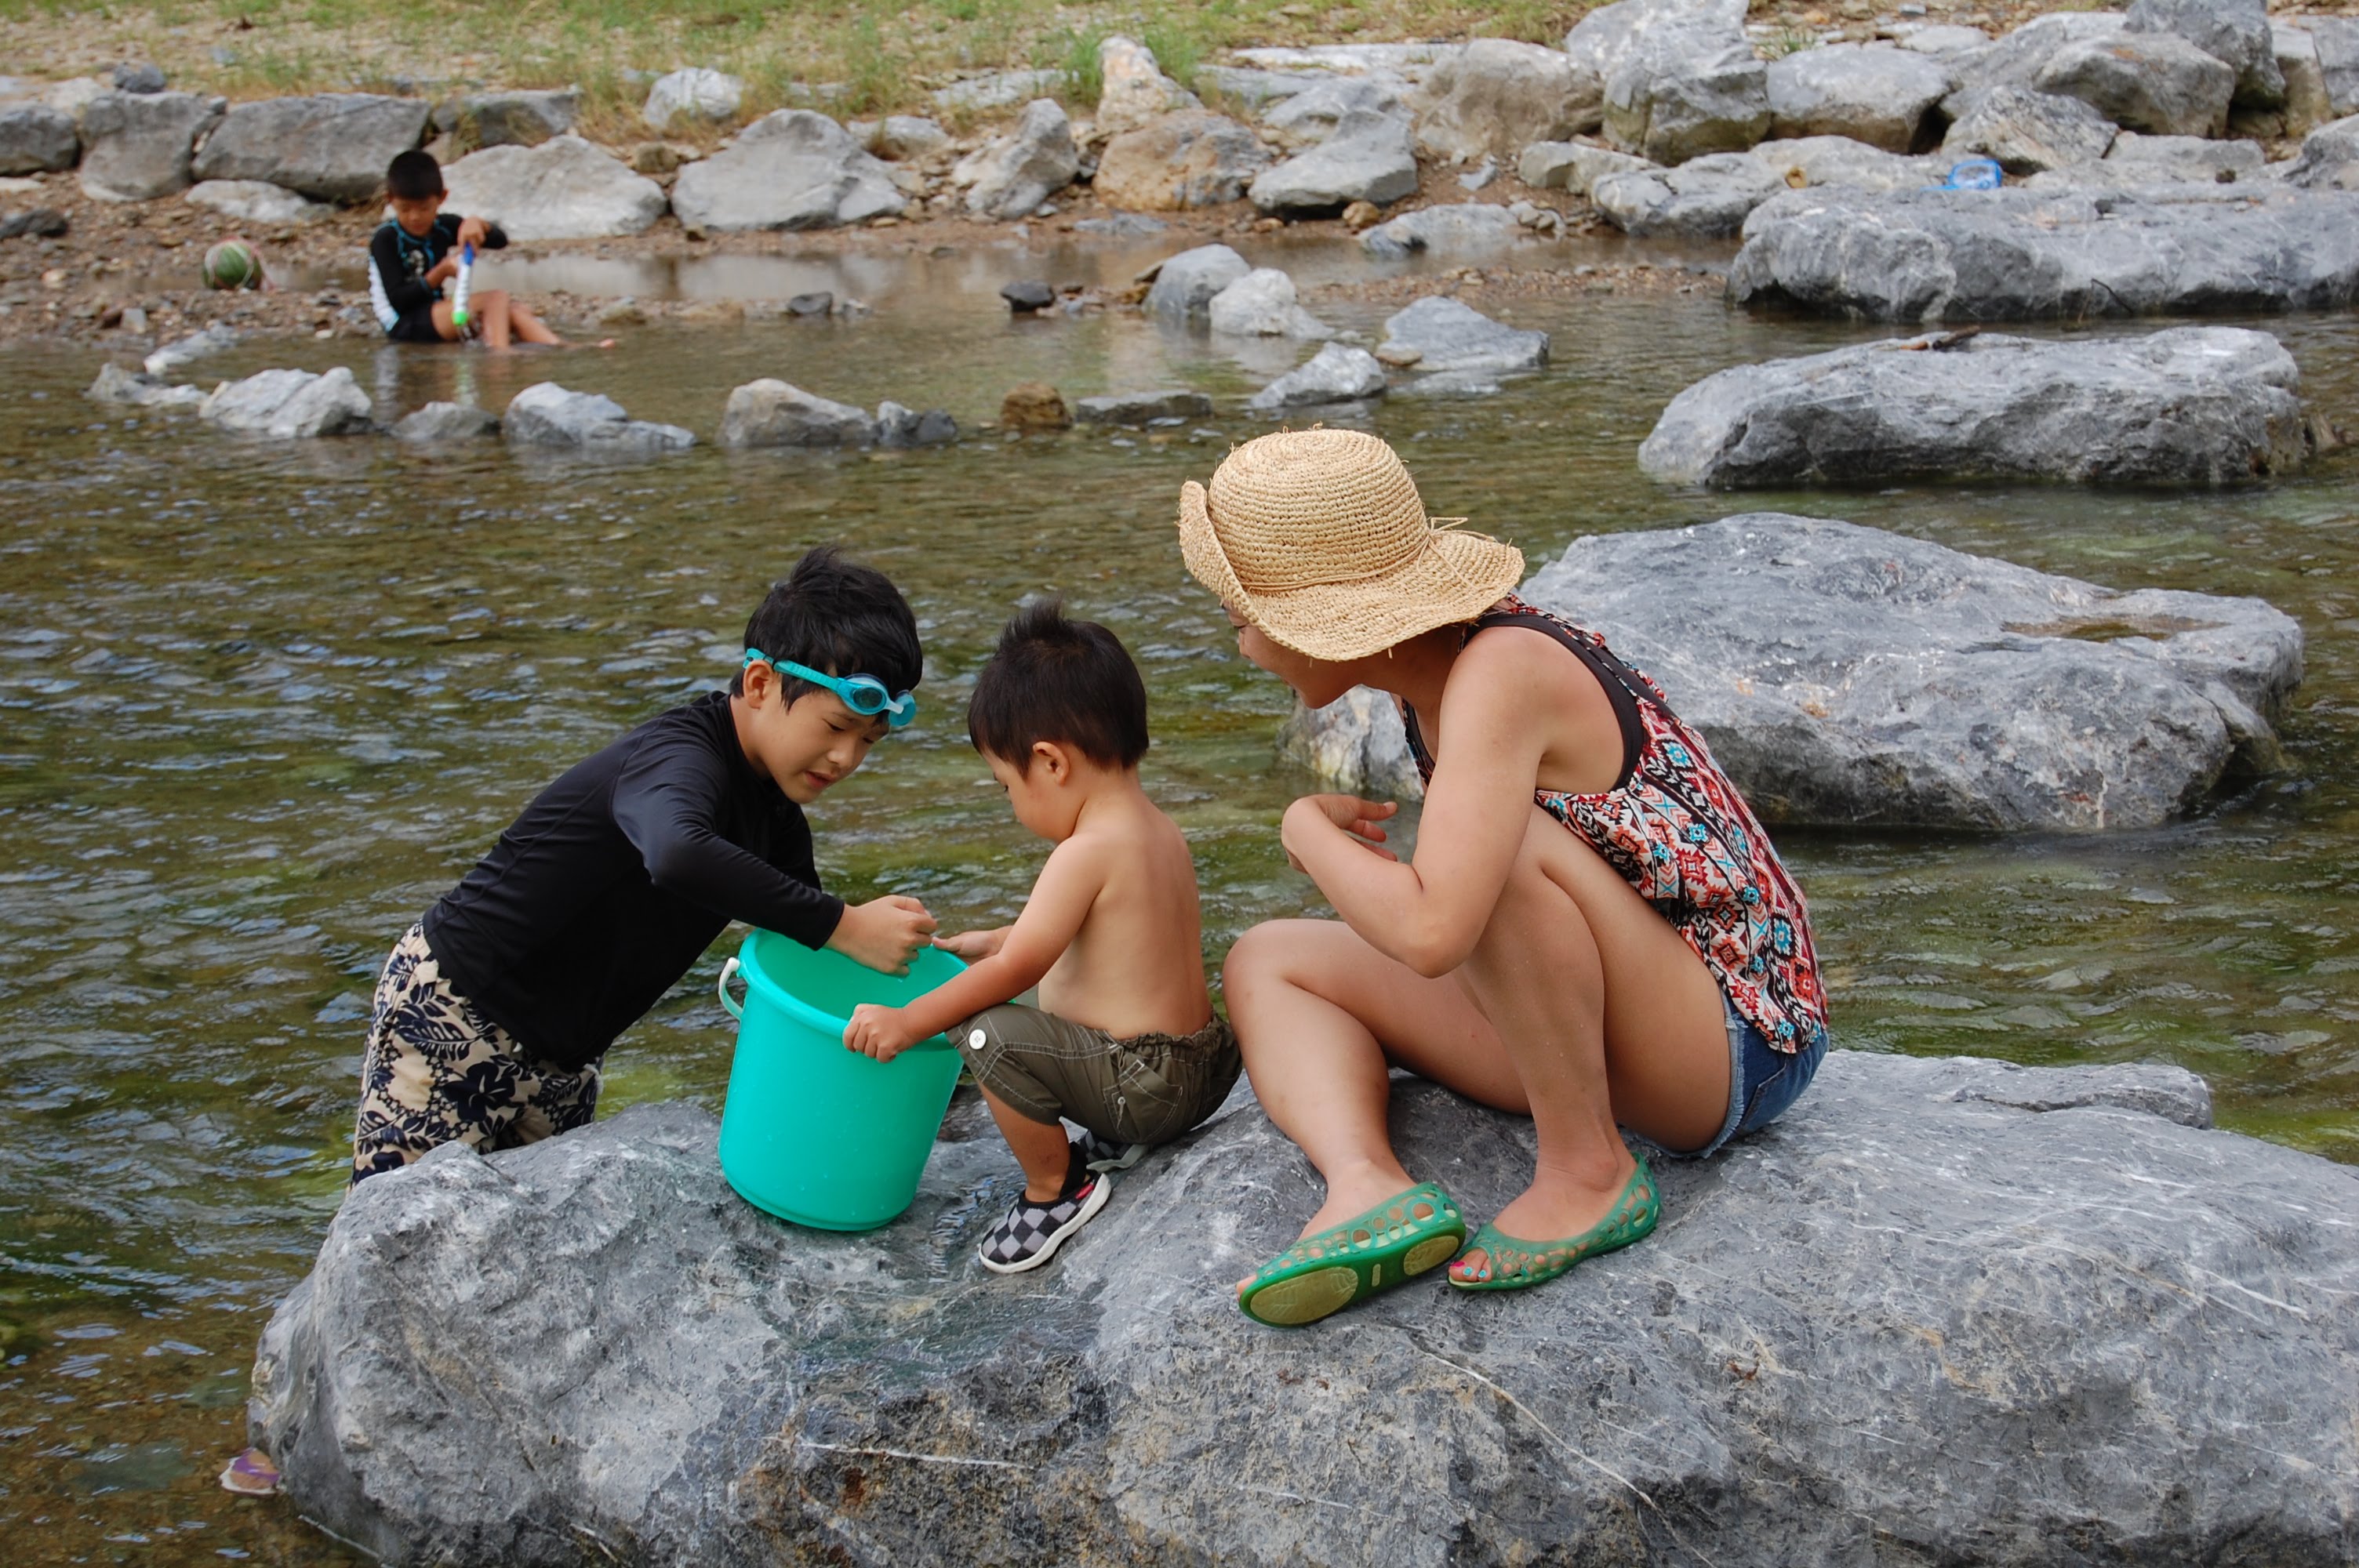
[1125, 1042]
[493, 1013]
[413, 255]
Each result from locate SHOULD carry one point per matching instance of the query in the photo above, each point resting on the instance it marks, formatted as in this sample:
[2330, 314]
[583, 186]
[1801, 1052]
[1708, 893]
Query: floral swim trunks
[438, 1071]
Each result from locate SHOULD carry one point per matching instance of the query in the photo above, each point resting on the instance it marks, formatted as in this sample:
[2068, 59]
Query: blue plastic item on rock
[1973, 174]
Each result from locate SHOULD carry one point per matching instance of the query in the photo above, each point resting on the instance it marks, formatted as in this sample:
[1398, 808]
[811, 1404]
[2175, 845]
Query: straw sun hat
[1318, 538]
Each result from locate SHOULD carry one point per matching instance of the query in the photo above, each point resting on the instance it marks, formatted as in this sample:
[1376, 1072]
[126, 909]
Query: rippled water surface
[259, 705]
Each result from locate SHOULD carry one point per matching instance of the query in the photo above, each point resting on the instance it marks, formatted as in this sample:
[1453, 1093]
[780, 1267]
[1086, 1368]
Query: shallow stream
[260, 705]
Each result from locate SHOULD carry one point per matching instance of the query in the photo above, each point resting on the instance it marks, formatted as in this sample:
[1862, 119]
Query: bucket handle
[735, 1008]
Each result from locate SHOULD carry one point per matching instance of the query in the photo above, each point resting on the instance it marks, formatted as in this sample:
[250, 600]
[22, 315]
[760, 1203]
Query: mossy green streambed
[260, 704]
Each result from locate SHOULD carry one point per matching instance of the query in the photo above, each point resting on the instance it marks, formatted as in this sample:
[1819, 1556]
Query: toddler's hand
[975, 946]
[883, 932]
[878, 1031]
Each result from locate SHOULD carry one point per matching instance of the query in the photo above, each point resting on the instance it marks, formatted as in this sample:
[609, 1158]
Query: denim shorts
[1763, 1081]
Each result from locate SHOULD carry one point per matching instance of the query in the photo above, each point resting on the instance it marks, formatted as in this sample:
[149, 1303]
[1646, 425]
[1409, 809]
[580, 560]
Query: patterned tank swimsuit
[1677, 831]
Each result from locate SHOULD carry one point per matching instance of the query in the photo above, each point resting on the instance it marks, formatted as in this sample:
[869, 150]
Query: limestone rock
[2308, 105]
[562, 188]
[899, 426]
[2157, 83]
[1027, 296]
[1445, 231]
[1609, 36]
[2337, 41]
[138, 389]
[792, 169]
[258, 202]
[2028, 131]
[331, 146]
[1368, 159]
[1451, 335]
[1946, 41]
[1998, 256]
[2328, 159]
[1336, 374]
[1495, 96]
[998, 89]
[1574, 166]
[36, 138]
[190, 349]
[1262, 305]
[2135, 161]
[1034, 405]
[1689, 84]
[135, 147]
[1888, 98]
[290, 405]
[546, 415]
[136, 76]
[595, 1337]
[692, 93]
[1251, 88]
[1137, 91]
[1809, 161]
[1017, 172]
[510, 119]
[2017, 59]
[1309, 117]
[1704, 198]
[903, 137]
[1185, 284]
[2234, 32]
[1179, 161]
[772, 413]
[437, 423]
[1141, 407]
[1355, 744]
[2204, 406]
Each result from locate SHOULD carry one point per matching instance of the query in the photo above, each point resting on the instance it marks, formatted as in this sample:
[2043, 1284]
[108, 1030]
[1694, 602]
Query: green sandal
[1327, 1273]
[1508, 1264]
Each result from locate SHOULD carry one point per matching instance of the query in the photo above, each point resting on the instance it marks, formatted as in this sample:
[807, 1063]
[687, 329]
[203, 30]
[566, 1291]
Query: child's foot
[1032, 1231]
[1104, 1154]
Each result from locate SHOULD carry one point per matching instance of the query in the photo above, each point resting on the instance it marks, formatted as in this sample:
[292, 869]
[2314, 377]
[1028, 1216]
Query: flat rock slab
[1451, 335]
[331, 146]
[553, 418]
[2205, 406]
[1139, 407]
[1944, 1310]
[291, 405]
[2002, 255]
[791, 168]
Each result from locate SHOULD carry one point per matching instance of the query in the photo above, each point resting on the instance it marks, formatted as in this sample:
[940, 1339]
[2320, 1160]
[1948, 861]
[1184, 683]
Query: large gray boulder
[1459, 230]
[1574, 166]
[772, 413]
[560, 188]
[1495, 96]
[1608, 36]
[444, 424]
[1134, 90]
[1179, 161]
[135, 147]
[258, 202]
[2135, 162]
[1811, 161]
[331, 146]
[1015, 173]
[138, 389]
[2001, 256]
[36, 138]
[2328, 159]
[519, 119]
[1336, 374]
[1704, 198]
[1689, 84]
[1262, 305]
[1943, 1310]
[1367, 158]
[2206, 406]
[792, 169]
[1888, 98]
[2017, 59]
[1185, 284]
[1451, 335]
[2027, 131]
[291, 405]
[1308, 117]
[2234, 32]
[2157, 83]
[550, 416]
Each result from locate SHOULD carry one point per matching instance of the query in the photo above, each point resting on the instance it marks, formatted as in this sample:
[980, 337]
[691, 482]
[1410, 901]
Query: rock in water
[1449, 335]
[436, 423]
[291, 405]
[1369, 159]
[1884, 97]
[771, 413]
[1034, 405]
[1495, 97]
[37, 138]
[546, 415]
[1139, 407]
[1179, 161]
[138, 389]
[791, 168]
[1463, 229]
[2194, 405]
[1017, 172]
[562, 188]
[510, 119]
[1336, 374]
[1027, 296]
[187, 350]
[1831, 1351]
[2000, 255]
[1261, 305]
[259, 201]
[901, 427]
[332, 146]
[135, 147]
[1185, 284]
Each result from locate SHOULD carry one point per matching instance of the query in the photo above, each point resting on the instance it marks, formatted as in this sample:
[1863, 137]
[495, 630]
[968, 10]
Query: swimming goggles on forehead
[864, 695]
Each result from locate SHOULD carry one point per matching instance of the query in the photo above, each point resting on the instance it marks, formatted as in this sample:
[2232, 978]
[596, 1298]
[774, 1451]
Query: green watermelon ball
[232, 265]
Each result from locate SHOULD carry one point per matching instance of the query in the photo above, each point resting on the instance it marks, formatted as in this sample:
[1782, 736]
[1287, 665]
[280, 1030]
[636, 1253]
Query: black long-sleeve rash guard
[400, 261]
[614, 880]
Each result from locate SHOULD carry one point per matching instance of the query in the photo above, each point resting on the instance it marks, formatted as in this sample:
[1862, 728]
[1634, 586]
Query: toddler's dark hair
[837, 615]
[413, 175]
[1068, 682]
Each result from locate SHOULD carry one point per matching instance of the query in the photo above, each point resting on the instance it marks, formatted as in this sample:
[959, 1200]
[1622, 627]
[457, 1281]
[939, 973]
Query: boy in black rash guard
[493, 1012]
[417, 251]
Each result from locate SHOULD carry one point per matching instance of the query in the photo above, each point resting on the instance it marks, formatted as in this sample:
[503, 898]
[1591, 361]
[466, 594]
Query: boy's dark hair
[413, 175]
[1069, 682]
[837, 615]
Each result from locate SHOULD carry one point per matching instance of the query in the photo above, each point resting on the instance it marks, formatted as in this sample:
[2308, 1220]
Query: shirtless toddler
[1125, 1043]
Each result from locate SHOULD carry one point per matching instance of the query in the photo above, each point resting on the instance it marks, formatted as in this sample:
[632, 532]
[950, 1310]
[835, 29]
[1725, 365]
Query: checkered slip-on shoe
[1032, 1232]
[1101, 1154]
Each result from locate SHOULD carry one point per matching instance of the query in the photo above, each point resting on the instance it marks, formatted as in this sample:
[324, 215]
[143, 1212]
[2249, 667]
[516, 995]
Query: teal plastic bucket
[813, 1132]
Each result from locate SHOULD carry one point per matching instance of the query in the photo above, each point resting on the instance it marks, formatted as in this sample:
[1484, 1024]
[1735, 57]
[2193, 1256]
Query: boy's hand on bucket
[883, 932]
[878, 1031]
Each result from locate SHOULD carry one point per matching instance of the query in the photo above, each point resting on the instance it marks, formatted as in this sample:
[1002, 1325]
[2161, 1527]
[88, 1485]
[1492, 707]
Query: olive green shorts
[1150, 1089]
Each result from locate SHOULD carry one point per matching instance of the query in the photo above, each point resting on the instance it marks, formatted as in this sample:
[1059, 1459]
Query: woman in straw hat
[1593, 930]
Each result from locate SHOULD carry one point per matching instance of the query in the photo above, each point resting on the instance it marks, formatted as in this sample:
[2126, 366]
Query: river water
[260, 705]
